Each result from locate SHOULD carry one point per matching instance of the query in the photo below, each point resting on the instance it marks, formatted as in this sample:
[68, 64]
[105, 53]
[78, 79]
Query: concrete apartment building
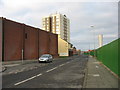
[59, 24]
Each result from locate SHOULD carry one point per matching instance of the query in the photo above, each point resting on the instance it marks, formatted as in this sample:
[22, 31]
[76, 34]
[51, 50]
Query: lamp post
[93, 37]
[89, 48]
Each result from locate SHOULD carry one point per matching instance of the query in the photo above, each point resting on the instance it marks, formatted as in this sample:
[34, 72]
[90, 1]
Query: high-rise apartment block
[58, 24]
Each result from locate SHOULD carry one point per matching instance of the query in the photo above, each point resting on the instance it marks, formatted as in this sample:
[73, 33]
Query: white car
[46, 58]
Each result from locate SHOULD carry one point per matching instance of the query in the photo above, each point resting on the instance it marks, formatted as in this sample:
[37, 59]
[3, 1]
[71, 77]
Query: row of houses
[20, 41]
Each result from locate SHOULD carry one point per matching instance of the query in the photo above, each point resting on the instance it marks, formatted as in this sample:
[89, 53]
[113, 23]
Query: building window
[57, 23]
[57, 29]
[25, 35]
[57, 32]
[57, 26]
[57, 19]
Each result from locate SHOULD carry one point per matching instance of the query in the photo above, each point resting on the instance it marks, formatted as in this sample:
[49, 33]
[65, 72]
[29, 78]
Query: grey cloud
[81, 14]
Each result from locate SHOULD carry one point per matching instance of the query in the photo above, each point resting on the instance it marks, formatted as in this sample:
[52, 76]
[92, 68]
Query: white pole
[89, 48]
[22, 55]
[93, 38]
[94, 43]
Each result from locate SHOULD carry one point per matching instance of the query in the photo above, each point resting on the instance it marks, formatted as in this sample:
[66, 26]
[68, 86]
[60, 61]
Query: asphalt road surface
[64, 73]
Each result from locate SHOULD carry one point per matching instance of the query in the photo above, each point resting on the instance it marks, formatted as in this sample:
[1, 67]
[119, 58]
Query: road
[64, 73]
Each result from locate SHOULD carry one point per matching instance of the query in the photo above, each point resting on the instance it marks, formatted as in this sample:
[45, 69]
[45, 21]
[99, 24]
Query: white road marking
[16, 72]
[24, 81]
[67, 62]
[10, 72]
[96, 66]
[11, 65]
[27, 79]
[96, 75]
[51, 69]
[61, 65]
[39, 74]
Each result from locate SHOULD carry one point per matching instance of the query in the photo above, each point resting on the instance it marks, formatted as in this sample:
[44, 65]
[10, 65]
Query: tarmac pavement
[97, 76]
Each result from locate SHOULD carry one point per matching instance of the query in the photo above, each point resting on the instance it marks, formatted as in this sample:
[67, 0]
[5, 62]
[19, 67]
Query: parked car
[46, 58]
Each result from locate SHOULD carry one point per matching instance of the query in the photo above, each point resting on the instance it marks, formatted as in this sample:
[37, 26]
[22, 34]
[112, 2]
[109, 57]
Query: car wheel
[48, 60]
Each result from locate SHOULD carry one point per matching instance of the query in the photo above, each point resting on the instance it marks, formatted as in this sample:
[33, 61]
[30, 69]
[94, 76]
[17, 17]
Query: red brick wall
[31, 43]
[74, 51]
[1, 39]
[53, 44]
[43, 42]
[13, 32]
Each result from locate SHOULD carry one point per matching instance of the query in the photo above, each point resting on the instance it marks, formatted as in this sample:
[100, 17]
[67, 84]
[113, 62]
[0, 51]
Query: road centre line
[64, 64]
[27, 79]
[38, 75]
[61, 65]
[51, 69]
[57, 67]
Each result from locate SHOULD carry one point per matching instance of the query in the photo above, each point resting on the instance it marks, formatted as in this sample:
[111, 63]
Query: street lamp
[89, 49]
[93, 37]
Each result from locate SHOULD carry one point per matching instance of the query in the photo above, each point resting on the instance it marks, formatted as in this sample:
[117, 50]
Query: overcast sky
[102, 15]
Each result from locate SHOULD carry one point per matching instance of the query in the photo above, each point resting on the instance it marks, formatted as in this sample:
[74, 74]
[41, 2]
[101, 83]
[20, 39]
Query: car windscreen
[44, 56]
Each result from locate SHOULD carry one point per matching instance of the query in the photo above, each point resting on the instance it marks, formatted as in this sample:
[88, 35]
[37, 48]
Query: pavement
[97, 76]
[9, 67]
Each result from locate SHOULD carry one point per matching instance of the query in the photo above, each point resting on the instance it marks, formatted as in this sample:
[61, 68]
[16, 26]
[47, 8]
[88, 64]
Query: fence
[108, 55]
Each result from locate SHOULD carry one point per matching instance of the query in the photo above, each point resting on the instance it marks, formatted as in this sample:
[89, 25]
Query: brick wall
[32, 41]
